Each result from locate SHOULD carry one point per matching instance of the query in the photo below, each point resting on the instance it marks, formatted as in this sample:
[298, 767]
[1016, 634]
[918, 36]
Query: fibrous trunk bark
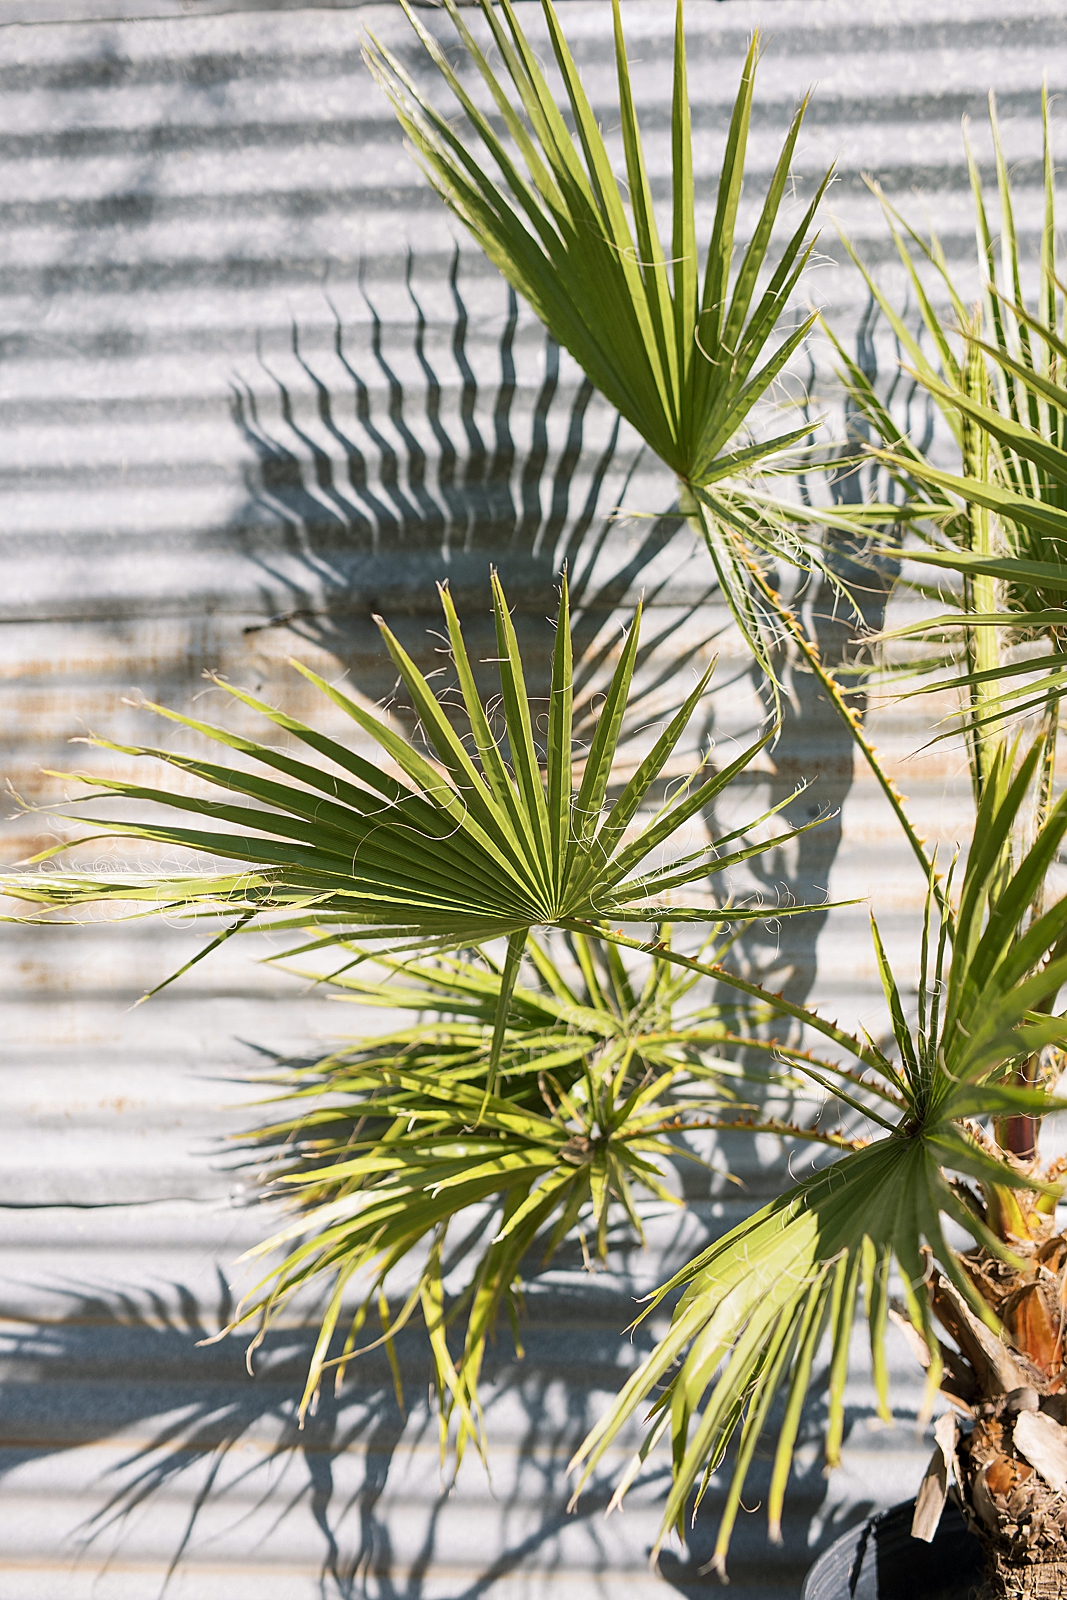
[1019, 1517]
[1011, 1462]
[1011, 1575]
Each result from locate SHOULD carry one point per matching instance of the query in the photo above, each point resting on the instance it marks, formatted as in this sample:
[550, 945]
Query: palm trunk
[1011, 1464]
[1011, 1578]
[1018, 1516]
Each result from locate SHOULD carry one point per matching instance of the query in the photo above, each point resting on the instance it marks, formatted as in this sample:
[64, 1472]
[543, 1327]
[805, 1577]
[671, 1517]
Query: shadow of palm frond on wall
[393, 455]
[411, 454]
[176, 1438]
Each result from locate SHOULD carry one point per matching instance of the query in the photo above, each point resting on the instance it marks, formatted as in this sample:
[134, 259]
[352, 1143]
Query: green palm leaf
[684, 367]
[464, 848]
[686, 363]
[756, 1304]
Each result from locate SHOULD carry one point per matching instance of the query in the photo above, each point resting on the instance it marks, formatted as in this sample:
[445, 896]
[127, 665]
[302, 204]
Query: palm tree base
[1011, 1465]
[1019, 1520]
[1015, 1573]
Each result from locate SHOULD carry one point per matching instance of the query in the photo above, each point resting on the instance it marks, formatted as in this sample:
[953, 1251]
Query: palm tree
[682, 366]
[472, 839]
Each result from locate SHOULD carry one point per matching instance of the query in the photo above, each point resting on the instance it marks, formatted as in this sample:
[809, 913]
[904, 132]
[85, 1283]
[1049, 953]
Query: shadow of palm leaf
[143, 1371]
[375, 471]
[185, 1421]
[379, 487]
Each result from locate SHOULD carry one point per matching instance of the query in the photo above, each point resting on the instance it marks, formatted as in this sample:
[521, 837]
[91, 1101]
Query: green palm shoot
[401, 1170]
[1000, 523]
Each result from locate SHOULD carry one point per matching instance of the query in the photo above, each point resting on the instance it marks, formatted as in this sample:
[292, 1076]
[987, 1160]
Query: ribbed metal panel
[249, 397]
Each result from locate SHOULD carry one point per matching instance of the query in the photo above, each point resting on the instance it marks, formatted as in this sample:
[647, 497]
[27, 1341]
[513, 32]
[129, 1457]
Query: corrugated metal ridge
[20, 13]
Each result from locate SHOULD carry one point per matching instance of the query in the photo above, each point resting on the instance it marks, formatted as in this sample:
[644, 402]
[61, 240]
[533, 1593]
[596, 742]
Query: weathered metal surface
[247, 399]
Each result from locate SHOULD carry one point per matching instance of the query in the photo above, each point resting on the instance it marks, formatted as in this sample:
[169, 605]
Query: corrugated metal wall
[250, 395]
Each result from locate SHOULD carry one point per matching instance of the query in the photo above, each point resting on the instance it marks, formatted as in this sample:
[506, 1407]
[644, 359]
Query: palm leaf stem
[809, 650]
[516, 946]
[983, 644]
[722, 974]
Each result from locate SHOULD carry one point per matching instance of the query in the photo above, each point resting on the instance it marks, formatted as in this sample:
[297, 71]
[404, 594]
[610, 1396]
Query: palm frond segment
[476, 838]
[685, 361]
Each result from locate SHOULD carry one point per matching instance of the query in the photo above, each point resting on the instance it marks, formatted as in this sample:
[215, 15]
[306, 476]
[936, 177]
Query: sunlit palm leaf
[686, 363]
[394, 1136]
[757, 1302]
[466, 848]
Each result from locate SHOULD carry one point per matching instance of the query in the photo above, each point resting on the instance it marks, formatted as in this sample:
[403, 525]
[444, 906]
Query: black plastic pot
[880, 1560]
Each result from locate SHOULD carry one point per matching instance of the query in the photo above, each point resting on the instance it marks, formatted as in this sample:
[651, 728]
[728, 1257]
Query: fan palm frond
[394, 1137]
[685, 359]
[459, 849]
[757, 1304]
